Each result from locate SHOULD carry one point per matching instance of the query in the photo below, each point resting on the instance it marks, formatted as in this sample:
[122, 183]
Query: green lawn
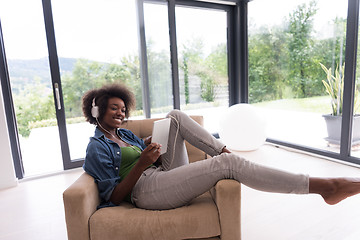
[313, 104]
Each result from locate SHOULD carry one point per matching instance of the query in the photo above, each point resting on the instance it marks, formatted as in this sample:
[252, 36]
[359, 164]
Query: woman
[126, 167]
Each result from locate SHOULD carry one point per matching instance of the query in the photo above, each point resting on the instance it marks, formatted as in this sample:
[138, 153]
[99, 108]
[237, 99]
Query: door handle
[57, 96]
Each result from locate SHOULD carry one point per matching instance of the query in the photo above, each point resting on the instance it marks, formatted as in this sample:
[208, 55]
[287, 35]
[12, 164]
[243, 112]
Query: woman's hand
[149, 155]
[147, 140]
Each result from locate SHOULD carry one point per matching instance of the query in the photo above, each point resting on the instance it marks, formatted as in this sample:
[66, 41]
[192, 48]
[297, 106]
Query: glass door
[30, 80]
[355, 132]
[203, 67]
[186, 49]
[293, 54]
[158, 57]
[96, 44]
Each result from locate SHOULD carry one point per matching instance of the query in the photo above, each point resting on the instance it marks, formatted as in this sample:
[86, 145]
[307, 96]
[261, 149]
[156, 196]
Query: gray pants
[177, 182]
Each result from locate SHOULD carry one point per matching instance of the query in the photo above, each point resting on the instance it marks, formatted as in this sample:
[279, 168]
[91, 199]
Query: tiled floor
[298, 217]
[34, 209]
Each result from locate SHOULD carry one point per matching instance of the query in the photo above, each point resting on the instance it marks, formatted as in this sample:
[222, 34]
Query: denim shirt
[103, 161]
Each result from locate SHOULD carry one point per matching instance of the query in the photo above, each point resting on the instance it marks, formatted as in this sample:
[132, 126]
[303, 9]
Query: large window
[356, 120]
[192, 56]
[57, 50]
[203, 68]
[158, 58]
[96, 44]
[292, 51]
[30, 81]
[186, 46]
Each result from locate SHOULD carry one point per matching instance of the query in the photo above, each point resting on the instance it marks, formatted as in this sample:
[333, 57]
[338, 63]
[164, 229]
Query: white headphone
[94, 109]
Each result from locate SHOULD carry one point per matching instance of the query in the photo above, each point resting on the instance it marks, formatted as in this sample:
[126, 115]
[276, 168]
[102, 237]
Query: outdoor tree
[33, 103]
[268, 64]
[195, 64]
[132, 65]
[160, 82]
[300, 46]
[191, 55]
[217, 64]
[87, 75]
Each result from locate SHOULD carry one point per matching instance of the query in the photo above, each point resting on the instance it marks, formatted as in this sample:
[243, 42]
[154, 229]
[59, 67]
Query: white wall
[7, 172]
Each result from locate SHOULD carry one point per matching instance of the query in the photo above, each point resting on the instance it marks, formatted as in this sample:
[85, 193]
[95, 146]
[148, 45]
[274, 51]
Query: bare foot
[334, 190]
[225, 150]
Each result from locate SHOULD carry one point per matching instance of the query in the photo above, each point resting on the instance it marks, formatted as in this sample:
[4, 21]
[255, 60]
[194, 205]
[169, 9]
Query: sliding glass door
[58, 50]
[355, 129]
[158, 57]
[291, 51]
[186, 48]
[96, 44]
[203, 62]
[31, 86]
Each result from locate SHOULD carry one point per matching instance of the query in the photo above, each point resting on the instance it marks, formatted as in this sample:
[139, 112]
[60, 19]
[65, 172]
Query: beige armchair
[213, 215]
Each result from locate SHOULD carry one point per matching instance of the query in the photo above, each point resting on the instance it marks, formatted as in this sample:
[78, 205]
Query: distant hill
[23, 72]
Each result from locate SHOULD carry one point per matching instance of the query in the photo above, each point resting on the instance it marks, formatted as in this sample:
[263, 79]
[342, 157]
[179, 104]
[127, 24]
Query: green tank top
[129, 157]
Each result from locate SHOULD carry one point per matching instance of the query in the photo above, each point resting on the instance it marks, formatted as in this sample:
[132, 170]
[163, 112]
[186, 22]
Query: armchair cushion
[197, 220]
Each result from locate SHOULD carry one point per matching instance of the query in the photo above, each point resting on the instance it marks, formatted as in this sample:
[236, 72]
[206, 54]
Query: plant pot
[333, 124]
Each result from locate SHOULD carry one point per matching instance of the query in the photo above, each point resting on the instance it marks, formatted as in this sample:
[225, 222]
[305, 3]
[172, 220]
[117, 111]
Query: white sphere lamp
[242, 128]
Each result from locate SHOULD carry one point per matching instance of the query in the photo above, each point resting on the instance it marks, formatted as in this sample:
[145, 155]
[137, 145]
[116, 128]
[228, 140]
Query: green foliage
[53, 122]
[33, 104]
[87, 75]
[217, 61]
[300, 45]
[318, 104]
[217, 65]
[160, 82]
[211, 69]
[267, 65]
[133, 80]
[186, 78]
[191, 62]
[207, 87]
[284, 59]
[334, 86]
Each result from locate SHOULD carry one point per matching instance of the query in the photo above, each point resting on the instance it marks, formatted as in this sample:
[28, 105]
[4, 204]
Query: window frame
[348, 95]
[236, 32]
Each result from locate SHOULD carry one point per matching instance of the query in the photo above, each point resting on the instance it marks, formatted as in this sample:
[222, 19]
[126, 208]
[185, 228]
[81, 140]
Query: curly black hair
[102, 96]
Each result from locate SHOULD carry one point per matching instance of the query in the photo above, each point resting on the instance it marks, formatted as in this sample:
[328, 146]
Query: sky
[94, 31]
[104, 30]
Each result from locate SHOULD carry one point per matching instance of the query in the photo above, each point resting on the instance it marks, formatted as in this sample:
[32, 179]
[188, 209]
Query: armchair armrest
[80, 201]
[227, 196]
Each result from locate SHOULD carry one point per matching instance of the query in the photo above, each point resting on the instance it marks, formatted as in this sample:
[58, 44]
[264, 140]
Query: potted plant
[334, 86]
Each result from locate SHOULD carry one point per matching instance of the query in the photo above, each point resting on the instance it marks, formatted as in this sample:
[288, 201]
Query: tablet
[160, 133]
